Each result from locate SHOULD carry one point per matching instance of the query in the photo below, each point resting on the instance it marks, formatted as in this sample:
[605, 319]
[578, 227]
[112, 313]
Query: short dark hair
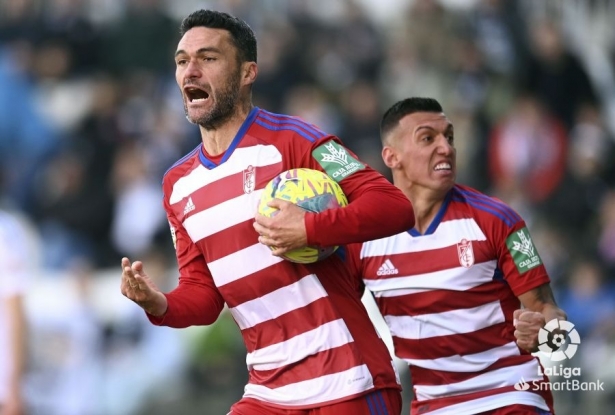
[241, 33]
[400, 109]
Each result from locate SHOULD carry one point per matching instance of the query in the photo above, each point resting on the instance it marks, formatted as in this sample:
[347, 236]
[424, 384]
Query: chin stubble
[223, 109]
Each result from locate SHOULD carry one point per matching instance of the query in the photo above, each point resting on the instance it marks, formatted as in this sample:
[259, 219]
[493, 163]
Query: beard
[225, 103]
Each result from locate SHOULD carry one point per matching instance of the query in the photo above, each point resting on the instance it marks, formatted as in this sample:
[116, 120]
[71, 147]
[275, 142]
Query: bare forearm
[551, 311]
[541, 300]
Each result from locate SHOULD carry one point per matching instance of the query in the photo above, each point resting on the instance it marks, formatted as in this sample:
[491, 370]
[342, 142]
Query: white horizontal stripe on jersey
[321, 389]
[499, 378]
[449, 278]
[467, 363]
[222, 216]
[256, 156]
[491, 402]
[327, 336]
[234, 266]
[278, 302]
[448, 233]
[446, 323]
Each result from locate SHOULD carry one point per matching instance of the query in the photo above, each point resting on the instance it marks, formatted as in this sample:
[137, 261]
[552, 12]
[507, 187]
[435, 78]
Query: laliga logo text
[566, 340]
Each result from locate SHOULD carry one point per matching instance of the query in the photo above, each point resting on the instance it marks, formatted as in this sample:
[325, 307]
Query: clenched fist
[527, 325]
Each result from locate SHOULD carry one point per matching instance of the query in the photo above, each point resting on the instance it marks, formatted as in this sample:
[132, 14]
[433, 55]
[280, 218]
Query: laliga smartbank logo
[559, 340]
[555, 332]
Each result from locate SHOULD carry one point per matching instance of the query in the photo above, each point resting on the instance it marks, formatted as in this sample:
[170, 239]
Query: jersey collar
[436, 221]
[229, 151]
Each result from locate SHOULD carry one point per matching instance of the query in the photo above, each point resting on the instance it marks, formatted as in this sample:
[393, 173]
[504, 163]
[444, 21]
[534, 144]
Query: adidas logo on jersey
[189, 206]
[387, 268]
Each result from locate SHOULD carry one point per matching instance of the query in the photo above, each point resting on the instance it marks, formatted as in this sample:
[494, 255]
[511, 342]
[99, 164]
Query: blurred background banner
[91, 118]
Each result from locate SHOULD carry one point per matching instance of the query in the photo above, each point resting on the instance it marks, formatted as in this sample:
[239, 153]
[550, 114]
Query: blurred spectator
[19, 20]
[555, 74]
[26, 136]
[606, 237]
[72, 213]
[353, 52]
[64, 22]
[589, 299]
[311, 103]
[527, 152]
[417, 56]
[16, 256]
[65, 376]
[575, 204]
[143, 39]
[279, 64]
[360, 122]
[498, 32]
[135, 190]
[65, 98]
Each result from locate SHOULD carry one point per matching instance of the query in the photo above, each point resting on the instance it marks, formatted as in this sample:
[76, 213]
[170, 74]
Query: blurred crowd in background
[91, 118]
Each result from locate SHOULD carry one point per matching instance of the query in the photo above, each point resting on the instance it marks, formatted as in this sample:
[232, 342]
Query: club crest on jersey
[466, 253]
[249, 179]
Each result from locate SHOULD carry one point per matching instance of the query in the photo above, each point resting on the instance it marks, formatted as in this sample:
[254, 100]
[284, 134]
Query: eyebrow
[449, 127]
[198, 52]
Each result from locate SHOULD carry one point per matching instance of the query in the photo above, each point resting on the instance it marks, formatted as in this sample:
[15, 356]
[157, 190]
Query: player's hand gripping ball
[311, 190]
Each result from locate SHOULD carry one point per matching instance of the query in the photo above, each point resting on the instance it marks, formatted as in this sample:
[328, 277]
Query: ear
[249, 72]
[390, 158]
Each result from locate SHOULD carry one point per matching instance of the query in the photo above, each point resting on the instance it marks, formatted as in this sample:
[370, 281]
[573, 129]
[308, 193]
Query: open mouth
[195, 95]
[443, 166]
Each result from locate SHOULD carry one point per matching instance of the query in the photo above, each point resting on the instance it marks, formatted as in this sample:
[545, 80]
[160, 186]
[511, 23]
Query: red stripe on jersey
[422, 376]
[290, 324]
[454, 344]
[229, 187]
[230, 240]
[423, 262]
[427, 406]
[323, 363]
[258, 284]
[438, 301]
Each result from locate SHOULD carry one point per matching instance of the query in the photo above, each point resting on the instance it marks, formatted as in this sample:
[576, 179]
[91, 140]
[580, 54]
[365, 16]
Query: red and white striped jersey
[448, 298]
[309, 339]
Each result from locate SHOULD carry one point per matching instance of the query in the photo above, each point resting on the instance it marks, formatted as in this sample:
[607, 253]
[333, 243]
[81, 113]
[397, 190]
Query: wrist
[157, 307]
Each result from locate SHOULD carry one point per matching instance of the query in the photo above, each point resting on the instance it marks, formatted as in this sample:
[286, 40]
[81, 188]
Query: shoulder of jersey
[276, 123]
[180, 165]
[485, 207]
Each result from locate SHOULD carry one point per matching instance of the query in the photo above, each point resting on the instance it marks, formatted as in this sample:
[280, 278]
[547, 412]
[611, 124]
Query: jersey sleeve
[376, 207]
[355, 266]
[196, 299]
[518, 258]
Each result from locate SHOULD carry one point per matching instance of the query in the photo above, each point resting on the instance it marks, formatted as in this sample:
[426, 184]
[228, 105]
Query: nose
[444, 145]
[192, 70]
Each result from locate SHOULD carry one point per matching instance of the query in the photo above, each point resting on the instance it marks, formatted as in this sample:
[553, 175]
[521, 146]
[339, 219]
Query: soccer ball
[311, 190]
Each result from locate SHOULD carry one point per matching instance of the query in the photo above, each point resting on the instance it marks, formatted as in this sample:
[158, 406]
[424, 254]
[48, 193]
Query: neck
[425, 211]
[426, 204]
[218, 139]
